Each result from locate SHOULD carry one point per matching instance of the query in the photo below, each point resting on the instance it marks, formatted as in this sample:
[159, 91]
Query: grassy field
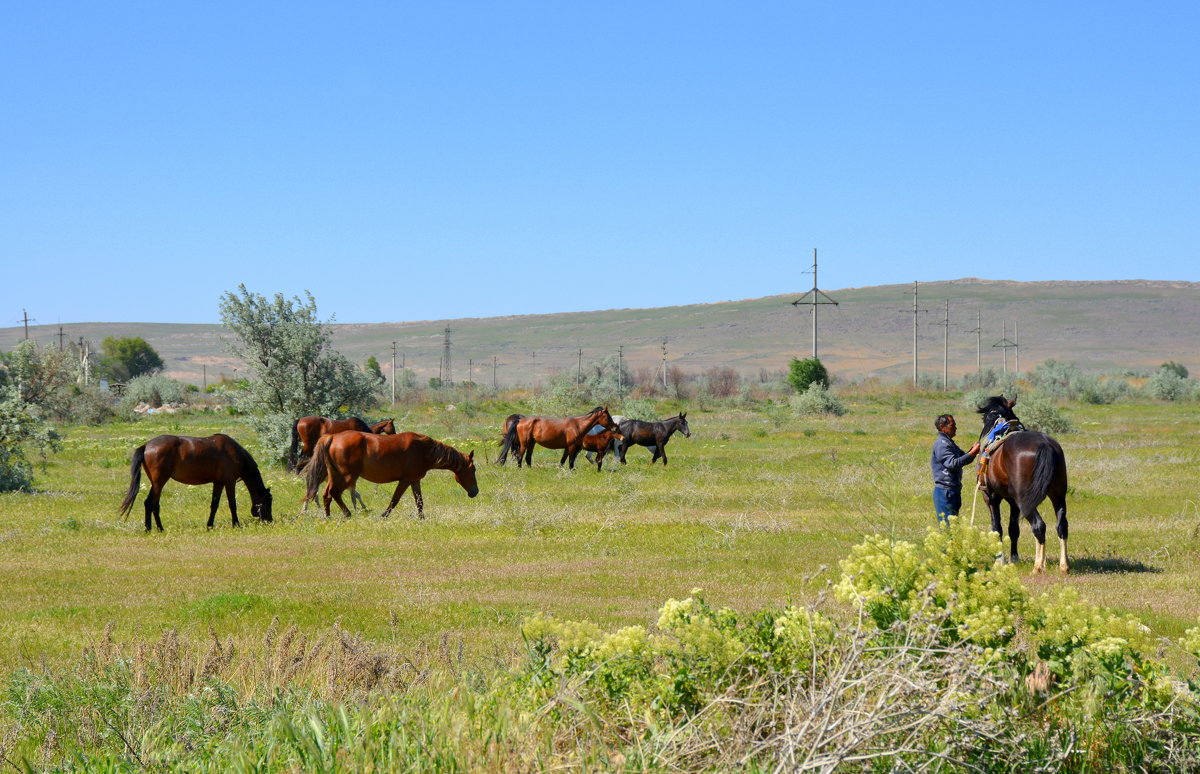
[756, 508]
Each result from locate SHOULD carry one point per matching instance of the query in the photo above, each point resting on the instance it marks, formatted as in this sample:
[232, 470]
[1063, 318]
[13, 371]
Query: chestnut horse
[566, 434]
[404, 457]
[218, 460]
[307, 430]
[1027, 467]
[599, 441]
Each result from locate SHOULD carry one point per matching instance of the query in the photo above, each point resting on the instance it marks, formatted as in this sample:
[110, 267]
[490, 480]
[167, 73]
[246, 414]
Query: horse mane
[994, 403]
[360, 425]
[444, 456]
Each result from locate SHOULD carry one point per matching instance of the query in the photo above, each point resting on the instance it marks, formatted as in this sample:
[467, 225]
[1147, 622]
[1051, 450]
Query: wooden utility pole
[60, 338]
[579, 367]
[1016, 349]
[1004, 343]
[494, 363]
[664, 364]
[946, 347]
[814, 298]
[26, 319]
[620, 372]
[978, 340]
[916, 311]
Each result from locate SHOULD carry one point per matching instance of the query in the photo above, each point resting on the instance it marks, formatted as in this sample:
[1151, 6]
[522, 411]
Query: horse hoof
[1063, 569]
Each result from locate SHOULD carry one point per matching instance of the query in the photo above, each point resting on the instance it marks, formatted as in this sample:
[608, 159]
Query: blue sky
[424, 161]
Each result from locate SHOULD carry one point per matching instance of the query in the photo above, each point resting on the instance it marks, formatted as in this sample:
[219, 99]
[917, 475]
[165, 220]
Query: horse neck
[252, 477]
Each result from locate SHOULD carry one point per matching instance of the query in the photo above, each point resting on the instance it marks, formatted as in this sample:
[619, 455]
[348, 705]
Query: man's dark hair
[942, 421]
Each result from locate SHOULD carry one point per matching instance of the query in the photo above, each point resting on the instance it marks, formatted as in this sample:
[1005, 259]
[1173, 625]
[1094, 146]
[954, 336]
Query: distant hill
[1099, 326]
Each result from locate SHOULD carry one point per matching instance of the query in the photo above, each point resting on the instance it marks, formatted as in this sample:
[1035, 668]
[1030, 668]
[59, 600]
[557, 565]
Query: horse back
[1015, 461]
[381, 459]
[189, 460]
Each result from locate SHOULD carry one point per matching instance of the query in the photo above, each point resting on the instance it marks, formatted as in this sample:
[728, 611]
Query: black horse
[1027, 467]
[652, 434]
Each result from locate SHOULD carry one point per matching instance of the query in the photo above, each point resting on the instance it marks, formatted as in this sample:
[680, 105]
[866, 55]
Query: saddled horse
[566, 434]
[306, 431]
[218, 460]
[508, 437]
[653, 435]
[598, 441]
[1023, 470]
[405, 458]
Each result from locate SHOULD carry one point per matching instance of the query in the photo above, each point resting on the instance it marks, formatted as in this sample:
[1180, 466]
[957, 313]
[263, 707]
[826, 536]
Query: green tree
[22, 430]
[127, 358]
[1178, 369]
[802, 373]
[373, 370]
[44, 378]
[294, 370]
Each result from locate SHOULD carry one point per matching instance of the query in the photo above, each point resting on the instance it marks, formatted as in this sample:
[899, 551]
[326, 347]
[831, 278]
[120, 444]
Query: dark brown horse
[218, 460]
[1027, 467]
[566, 434]
[306, 431]
[653, 435]
[404, 458]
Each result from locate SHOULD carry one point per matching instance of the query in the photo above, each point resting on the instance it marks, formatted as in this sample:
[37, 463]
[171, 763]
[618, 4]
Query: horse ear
[471, 456]
[1012, 403]
[683, 415]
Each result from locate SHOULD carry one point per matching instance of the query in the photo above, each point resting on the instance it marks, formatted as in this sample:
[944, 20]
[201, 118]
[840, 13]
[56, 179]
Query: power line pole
[946, 347]
[814, 298]
[978, 331]
[1016, 349]
[620, 373]
[493, 373]
[579, 368]
[471, 370]
[916, 312]
[26, 319]
[393, 373]
[664, 364]
[60, 338]
[1004, 343]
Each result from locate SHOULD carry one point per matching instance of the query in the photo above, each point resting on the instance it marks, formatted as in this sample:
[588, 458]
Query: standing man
[947, 462]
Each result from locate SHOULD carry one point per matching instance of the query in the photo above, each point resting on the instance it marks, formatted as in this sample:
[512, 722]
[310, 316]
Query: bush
[1037, 413]
[152, 389]
[817, 400]
[802, 373]
[22, 431]
[1167, 384]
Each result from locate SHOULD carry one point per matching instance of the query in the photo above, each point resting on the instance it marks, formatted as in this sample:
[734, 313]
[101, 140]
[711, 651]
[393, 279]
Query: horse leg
[662, 451]
[229, 495]
[1014, 530]
[356, 499]
[150, 504]
[573, 454]
[416, 487]
[1059, 501]
[400, 487]
[333, 493]
[564, 458]
[993, 506]
[1039, 534]
[216, 502]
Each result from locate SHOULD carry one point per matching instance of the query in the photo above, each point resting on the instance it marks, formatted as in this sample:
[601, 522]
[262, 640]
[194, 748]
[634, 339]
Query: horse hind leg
[356, 499]
[1038, 526]
[1060, 510]
[1014, 531]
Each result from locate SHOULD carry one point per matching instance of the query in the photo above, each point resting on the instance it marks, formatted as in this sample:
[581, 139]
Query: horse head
[683, 425]
[464, 474]
[262, 508]
[995, 409]
[605, 420]
[386, 427]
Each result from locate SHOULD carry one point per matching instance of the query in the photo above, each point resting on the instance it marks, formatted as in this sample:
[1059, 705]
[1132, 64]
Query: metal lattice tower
[447, 372]
[814, 298]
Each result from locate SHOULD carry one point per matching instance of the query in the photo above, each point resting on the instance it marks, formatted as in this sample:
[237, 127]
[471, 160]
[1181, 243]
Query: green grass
[753, 513]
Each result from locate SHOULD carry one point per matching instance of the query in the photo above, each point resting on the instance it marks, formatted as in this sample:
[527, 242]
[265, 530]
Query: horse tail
[295, 446]
[1044, 466]
[318, 468]
[135, 480]
[508, 441]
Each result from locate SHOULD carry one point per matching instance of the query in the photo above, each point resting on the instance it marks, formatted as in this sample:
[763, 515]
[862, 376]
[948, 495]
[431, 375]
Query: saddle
[995, 439]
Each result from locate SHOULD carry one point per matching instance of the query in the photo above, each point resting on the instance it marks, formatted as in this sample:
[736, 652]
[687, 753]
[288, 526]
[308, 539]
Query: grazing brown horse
[306, 431]
[564, 434]
[599, 443]
[1027, 467]
[218, 460]
[404, 458]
